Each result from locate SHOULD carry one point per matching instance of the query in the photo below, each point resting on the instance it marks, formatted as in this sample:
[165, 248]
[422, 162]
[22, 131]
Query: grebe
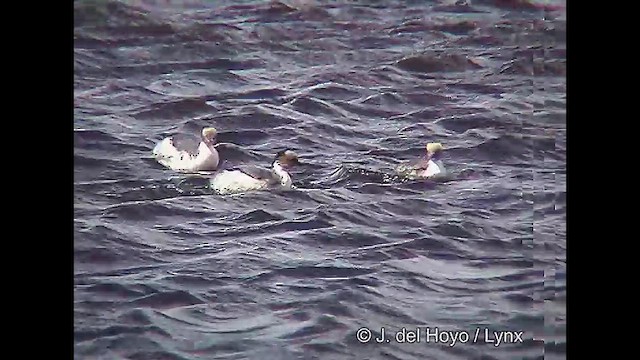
[255, 178]
[184, 153]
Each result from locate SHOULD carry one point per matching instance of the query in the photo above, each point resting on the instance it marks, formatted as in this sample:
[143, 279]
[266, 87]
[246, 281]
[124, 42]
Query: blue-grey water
[167, 269]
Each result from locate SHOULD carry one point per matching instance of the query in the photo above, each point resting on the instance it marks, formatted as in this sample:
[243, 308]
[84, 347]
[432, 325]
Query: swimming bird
[256, 178]
[187, 154]
[429, 166]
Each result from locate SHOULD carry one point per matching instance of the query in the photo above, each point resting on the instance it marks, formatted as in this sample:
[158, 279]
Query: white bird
[428, 167]
[255, 178]
[187, 154]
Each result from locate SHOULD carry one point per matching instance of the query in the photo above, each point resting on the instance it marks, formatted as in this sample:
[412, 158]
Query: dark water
[165, 269]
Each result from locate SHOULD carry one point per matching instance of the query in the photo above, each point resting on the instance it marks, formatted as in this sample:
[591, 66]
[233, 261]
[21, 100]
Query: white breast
[207, 158]
[433, 169]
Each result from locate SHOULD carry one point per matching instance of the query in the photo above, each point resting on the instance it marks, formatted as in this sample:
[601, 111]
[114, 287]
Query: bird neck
[208, 143]
[207, 154]
[281, 173]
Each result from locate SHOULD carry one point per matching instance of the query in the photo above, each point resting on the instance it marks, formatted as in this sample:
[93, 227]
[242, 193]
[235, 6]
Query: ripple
[430, 63]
